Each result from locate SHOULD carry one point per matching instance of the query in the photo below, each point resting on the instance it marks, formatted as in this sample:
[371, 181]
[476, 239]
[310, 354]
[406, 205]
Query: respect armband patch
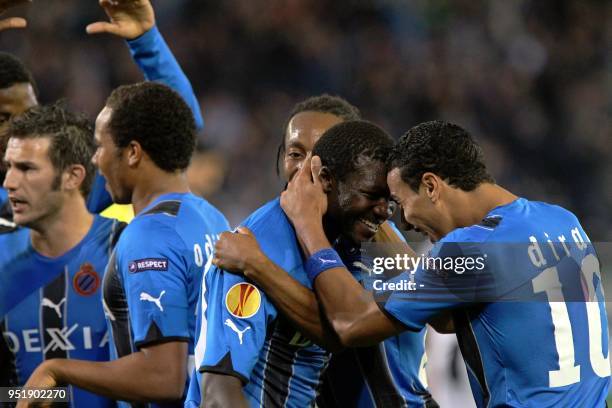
[148, 264]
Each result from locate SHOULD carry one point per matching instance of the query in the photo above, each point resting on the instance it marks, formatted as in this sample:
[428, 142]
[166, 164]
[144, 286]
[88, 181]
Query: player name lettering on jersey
[537, 256]
[61, 339]
[149, 264]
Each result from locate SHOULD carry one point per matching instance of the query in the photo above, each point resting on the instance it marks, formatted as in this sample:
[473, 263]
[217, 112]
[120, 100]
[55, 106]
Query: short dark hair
[341, 146]
[156, 117]
[12, 71]
[71, 137]
[444, 149]
[324, 103]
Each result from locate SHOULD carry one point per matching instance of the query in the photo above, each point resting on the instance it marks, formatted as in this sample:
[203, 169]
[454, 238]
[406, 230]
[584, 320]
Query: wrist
[255, 265]
[148, 36]
[312, 236]
[53, 368]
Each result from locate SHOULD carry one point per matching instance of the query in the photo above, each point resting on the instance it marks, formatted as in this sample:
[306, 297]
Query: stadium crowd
[531, 79]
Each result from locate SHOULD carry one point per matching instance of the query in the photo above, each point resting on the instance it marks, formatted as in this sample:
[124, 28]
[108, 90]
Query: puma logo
[232, 326]
[326, 261]
[156, 300]
[363, 267]
[48, 303]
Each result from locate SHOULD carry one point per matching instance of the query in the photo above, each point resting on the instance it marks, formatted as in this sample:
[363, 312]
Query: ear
[432, 185]
[326, 178]
[73, 177]
[134, 153]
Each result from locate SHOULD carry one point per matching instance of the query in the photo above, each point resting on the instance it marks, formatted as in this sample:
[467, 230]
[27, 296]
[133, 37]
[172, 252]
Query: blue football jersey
[391, 373]
[52, 307]
[529, 314]
[242, 334]
[153, 278]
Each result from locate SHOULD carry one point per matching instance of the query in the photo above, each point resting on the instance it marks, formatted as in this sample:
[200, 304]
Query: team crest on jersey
[243, 300]
[86, 281]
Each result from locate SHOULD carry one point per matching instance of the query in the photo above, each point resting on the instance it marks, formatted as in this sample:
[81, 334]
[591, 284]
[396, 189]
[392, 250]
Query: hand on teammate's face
[129, 19]
[235, 252]
[13, 22]
[304, 200]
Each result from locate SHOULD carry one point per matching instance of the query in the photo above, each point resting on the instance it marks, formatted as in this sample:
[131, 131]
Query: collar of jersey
[66, 256]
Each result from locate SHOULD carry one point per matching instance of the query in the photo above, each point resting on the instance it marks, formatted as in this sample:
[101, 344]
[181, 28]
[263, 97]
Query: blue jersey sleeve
[153, 56]
[453, 274]
[237, 315]
[155, 275]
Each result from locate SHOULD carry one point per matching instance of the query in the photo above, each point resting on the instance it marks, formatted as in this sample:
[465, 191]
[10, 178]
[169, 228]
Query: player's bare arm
[12, 22]
[129, 19]
[220, 390]
[352, 311]
[240, 253]
[155, 373]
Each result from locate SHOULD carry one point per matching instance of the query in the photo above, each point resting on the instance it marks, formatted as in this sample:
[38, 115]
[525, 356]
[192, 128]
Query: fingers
[14, 22]
[304, 172]
[315, 169]
[102, 27]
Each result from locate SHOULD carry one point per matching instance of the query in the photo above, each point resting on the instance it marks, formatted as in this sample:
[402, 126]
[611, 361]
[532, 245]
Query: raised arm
[12, 22]
[240, 253]
[134, 20]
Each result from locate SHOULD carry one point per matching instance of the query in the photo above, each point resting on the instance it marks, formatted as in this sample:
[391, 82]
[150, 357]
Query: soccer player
[17, 94]
[259, 348]
[541, 351]
[133, 20]
[365, 377]
[146, 136]
[51, 271]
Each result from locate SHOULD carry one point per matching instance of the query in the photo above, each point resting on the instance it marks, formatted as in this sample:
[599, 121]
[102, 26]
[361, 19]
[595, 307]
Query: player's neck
[158, 183]
[480, 202]
[64, 230]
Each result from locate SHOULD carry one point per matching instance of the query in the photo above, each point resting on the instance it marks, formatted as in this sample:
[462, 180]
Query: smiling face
[303, 131]
[33, 184]
[360, 204]
[417, 207]
[110, 160]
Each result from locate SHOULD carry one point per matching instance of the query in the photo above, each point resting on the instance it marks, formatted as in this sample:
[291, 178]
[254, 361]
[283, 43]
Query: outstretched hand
[129, 19]
[13, 22]
[304, 200]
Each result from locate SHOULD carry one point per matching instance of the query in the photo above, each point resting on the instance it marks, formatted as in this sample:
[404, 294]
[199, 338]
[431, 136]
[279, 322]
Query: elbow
[345, 327]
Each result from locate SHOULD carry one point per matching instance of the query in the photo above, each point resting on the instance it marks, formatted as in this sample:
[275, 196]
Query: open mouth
[372, 226]
[17, 204]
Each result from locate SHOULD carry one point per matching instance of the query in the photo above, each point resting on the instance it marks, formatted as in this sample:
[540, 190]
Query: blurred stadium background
[532, 79]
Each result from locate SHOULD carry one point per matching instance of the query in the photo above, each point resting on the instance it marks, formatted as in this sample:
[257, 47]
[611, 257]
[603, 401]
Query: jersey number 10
[569, 373]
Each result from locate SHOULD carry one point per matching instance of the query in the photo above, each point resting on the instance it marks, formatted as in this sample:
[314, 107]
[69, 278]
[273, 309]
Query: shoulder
[268, 219]
[197, 208]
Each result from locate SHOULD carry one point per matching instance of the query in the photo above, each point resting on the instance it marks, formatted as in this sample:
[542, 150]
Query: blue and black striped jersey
[153, 278]
[242, 334]
[51, 307]
[389, 374]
